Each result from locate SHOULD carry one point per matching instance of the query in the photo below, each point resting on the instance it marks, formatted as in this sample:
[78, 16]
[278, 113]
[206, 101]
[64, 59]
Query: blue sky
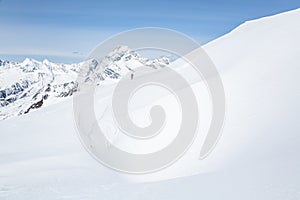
[66, 31]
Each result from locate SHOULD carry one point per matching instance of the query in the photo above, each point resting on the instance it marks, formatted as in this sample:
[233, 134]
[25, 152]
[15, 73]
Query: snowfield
[257, 157]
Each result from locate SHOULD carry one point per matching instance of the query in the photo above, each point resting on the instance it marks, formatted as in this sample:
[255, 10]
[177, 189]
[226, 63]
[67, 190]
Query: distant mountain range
[32, 84]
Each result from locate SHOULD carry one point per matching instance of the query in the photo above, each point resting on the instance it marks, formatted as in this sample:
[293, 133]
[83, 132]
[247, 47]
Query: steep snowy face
[25, 86]
[32, 84]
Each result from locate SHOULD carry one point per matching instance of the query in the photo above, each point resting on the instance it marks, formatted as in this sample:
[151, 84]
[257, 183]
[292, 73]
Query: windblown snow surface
[257, 157]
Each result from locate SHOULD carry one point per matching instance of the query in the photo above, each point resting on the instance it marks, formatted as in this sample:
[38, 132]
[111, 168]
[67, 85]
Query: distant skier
[131, 76]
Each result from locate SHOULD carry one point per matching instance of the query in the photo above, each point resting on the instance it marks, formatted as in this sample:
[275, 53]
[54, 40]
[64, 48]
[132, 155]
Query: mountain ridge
[32, 84]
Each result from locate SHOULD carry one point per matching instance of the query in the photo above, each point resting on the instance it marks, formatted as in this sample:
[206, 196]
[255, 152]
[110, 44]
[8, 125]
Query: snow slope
[256, 158]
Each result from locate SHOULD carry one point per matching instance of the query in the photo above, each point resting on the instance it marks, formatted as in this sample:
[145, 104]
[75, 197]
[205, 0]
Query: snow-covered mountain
[257, 156]
[33, 84]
